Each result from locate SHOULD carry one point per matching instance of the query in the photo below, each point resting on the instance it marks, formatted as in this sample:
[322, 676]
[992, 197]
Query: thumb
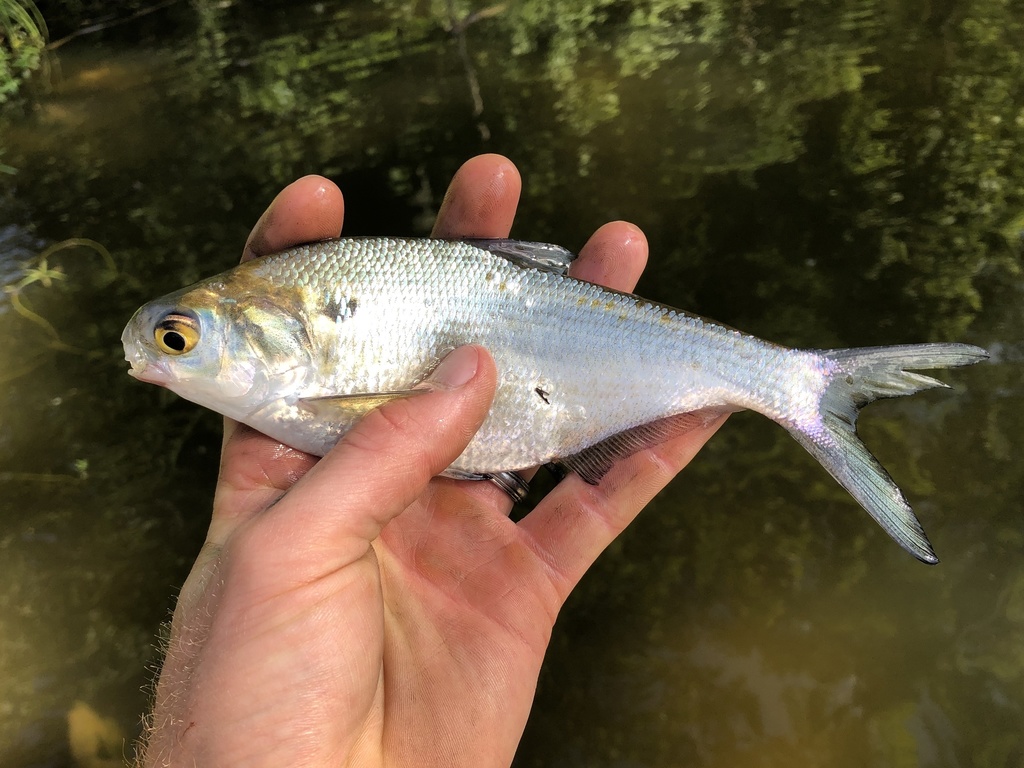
[382, 465]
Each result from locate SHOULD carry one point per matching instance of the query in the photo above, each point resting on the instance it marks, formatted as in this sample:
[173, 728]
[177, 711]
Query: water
[823, 176]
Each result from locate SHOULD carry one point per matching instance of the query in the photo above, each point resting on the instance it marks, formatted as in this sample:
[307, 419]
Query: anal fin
[592, 463]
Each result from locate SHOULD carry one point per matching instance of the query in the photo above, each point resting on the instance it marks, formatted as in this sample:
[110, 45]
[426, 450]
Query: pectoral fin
[353, 406]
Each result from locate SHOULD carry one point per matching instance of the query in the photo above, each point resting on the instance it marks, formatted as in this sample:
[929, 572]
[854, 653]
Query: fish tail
[860, 377]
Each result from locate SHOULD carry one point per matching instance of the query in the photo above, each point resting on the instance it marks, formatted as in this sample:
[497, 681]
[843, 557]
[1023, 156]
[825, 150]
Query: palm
[414, 633]
[470, 607]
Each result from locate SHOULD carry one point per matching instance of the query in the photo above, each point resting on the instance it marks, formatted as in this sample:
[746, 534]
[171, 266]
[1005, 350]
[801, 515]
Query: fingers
[614, 256]
[305, 211]
[481, 200]
[380, 467]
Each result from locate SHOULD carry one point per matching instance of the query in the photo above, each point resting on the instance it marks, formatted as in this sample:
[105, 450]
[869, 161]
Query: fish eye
[176, 334]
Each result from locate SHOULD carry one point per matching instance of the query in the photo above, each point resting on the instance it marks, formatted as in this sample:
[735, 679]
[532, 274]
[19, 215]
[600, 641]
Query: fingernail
[456, 369]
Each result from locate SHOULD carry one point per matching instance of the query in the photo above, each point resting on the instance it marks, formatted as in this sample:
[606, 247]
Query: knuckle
[381, 431]
[396, 418]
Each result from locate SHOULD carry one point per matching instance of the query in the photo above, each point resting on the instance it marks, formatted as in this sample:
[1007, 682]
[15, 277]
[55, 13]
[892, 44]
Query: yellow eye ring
[176, 334]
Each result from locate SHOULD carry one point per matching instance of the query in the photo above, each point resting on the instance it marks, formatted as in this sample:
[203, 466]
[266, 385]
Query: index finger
[309, 209]
[481, 199]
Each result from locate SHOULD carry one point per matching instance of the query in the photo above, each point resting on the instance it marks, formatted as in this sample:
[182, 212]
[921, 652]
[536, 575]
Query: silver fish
[301, 344]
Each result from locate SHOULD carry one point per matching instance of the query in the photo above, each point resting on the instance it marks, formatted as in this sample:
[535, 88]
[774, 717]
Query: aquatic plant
[22, 39]
[40, 271]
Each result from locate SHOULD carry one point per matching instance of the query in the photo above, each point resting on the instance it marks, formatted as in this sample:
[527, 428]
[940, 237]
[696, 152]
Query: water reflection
[821, 175]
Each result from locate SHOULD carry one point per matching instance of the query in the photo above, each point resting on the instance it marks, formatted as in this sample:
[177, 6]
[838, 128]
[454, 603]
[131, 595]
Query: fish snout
[143, 367]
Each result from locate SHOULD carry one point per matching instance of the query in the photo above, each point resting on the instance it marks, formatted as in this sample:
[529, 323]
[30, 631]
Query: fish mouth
[151, 373]
[145, 369]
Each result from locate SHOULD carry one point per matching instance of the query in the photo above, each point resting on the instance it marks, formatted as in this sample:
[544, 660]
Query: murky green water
[819, 174]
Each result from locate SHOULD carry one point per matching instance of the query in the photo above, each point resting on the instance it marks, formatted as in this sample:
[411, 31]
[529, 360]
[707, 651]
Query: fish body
[301, 344]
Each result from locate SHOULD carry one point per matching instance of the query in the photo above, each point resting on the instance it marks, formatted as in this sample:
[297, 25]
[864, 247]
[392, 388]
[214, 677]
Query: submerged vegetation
[39, 271]
[22, 38]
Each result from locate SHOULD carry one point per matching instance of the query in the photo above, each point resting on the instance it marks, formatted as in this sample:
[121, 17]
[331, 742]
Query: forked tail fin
[865, 375]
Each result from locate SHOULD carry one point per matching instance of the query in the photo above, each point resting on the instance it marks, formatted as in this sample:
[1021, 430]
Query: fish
[303, 343]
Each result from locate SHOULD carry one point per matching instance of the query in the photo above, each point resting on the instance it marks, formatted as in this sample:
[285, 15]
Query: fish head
[225, 344]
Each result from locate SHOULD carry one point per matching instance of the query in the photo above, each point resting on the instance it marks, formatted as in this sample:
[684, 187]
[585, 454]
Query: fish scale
[302, 343]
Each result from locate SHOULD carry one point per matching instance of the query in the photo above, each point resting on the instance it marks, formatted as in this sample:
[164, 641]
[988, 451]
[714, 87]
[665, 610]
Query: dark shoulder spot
[340, 307]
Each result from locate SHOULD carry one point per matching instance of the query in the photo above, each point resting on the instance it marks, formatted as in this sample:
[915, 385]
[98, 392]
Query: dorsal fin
[593, 463]
[543, 256]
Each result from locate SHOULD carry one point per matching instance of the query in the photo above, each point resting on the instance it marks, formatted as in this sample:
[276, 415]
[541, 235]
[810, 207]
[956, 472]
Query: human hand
[359, 610]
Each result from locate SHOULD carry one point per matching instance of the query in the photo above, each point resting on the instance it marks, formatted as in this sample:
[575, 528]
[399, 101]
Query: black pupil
[175, 341]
